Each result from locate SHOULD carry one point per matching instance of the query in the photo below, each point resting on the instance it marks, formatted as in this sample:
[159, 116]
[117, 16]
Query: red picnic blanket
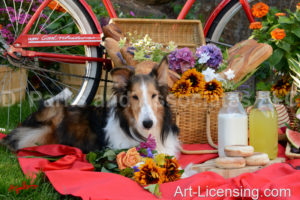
[73, 175]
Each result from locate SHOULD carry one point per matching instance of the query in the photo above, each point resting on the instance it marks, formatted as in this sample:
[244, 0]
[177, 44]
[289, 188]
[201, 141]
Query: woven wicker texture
[185, 33]
[189, 113]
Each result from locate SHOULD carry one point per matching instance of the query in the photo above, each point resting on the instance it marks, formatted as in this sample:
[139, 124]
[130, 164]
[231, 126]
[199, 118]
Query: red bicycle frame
[27, 40]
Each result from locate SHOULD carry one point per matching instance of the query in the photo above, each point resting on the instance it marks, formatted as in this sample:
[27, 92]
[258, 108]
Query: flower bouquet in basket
[142, 164]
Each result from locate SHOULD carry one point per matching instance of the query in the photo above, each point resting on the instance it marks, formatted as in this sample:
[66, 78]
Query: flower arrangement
[143, 48]
[281, 31]
[200, 73]
[142, 164]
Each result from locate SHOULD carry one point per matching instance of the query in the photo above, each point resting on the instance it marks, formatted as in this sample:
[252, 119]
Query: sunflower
[212, 90]
[260, 10]
[150, 173]
[196, 78]
[281, 88]
[278, 34]
[182, 87]
[255, 25]
[172, 170]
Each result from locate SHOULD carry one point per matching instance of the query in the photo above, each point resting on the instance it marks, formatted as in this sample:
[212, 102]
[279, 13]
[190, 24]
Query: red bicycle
[35, 29]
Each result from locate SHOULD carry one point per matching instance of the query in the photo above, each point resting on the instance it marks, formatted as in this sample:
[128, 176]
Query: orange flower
[129, 159]
[182, 88]
[278, 34]
[280, 14]
[150, 173]
[172, 170]
[298, 6]
[53, 5]
[255, 25]
[260, 10]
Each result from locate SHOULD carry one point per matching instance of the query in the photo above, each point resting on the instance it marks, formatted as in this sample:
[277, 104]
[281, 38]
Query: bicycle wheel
[227, 21]
[22, 88]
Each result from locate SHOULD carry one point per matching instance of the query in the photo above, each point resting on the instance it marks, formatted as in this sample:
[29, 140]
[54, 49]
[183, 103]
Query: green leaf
[154, 189]
[111, 166]
[91, 157]
[128, 172]
[296, 31]
[285, 20]
[285, 46]
[54, 25]
[276, 57]
[103, 169]
[263, 86]
[110, 155]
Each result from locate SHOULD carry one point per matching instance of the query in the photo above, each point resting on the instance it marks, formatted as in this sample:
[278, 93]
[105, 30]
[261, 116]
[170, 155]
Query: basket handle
[208, 134]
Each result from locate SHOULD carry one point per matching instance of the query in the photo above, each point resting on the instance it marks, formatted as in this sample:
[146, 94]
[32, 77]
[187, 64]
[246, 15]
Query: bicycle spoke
[43, 83]
[21, 79]
[30, 100]
[16, 18]
[42, 28]
[19, 14]
[61, 83]
[8, 107]
[38, 93]
[36, 24]
[62, 28]
[9, 16]
[27, 13]
[56, 20]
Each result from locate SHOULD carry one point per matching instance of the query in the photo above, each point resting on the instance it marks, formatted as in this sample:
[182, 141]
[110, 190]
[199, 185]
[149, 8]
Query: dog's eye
[153, 96]
[135, 97]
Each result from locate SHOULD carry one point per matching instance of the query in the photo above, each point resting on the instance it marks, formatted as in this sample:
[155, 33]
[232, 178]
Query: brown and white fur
[138, 108]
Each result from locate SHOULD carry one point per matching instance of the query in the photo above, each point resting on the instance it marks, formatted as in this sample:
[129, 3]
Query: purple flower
[7, 35]
[213, 52]
[132, 13]
[150, 143]
[149, 153]
[136, 169]
[181, 60]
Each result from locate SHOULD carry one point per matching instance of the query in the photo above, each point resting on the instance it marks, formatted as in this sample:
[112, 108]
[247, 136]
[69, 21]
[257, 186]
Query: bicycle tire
[222, 19]
[91, 71]
[91, 89]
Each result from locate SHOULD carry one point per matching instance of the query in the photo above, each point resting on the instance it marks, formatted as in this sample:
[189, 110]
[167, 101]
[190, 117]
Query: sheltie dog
[138, 107]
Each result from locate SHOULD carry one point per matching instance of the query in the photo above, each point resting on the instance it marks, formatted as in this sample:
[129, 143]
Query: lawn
[10, 171]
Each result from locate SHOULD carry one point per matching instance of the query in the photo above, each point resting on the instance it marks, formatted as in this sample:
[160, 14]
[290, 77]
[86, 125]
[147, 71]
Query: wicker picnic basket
[185, 33]
[196, 118]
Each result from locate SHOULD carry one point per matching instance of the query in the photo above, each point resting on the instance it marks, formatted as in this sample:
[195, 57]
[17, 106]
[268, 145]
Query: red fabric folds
[72, 174]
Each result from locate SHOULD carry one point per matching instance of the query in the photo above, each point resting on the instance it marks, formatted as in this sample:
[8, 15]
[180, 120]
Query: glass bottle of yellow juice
[263, 126]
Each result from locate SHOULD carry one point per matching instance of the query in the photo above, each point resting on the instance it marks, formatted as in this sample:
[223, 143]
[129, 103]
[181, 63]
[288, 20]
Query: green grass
[11, 174]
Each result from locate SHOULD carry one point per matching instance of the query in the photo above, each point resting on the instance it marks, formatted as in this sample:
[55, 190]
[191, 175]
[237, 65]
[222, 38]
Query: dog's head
[141, 97]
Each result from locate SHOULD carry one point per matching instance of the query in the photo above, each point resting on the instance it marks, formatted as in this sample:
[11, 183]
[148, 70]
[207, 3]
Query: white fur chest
[116, 137]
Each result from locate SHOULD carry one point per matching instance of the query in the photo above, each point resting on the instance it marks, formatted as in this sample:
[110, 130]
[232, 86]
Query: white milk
[232, 130]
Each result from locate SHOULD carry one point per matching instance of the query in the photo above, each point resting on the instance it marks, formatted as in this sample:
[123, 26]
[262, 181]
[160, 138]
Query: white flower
[209, 74]
[229, 74]
[203, 58]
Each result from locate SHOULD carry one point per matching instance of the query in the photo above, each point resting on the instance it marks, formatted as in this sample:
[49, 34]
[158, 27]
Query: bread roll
[238, 150]
[230, 162]
[113, 50]
[257, 159]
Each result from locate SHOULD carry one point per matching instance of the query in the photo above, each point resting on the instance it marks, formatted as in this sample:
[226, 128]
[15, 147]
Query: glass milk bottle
[232, 123]
[263, 127]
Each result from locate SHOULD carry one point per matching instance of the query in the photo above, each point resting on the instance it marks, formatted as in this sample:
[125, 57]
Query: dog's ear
[121, 75]
[161, 71]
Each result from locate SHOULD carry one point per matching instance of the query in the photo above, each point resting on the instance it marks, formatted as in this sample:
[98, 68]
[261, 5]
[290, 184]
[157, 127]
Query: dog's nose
[147, 124]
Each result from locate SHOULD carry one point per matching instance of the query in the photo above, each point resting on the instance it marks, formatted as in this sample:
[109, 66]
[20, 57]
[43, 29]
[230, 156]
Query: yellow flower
[281, 88]
[160, 159]
[212, 91]
[278, 34]
[182, 87]
[172, 170]
[260, 10]
[196, 78]
[255, 25]
[149, 173]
